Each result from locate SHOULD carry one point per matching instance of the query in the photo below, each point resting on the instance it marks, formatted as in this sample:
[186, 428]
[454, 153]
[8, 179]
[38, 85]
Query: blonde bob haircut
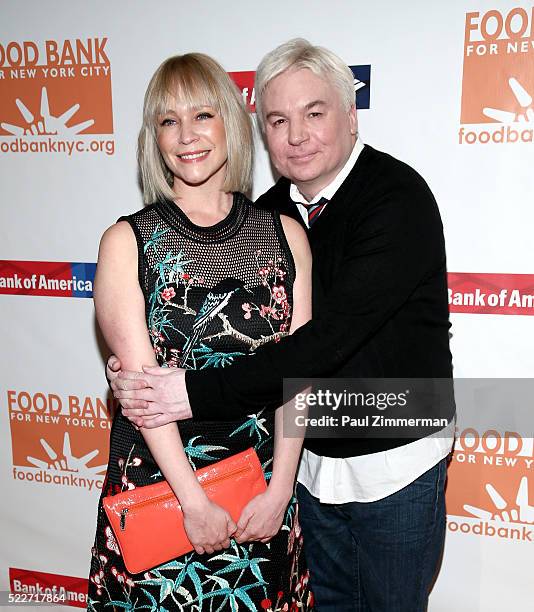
[196, 80]
[299, 53]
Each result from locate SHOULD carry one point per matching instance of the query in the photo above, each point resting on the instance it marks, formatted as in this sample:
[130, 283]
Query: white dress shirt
[365, 478]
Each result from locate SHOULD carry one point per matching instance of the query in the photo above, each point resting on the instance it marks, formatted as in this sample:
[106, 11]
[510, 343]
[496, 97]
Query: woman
[199, 279]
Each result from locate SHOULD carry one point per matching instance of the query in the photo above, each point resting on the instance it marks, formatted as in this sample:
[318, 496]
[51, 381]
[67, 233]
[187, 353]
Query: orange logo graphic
[498, 77]
[54, 93]
[490, 490]
[62, 441]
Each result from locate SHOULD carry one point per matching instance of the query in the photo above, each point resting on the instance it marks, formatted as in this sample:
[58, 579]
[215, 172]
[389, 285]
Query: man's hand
[151, 398]
[113, 367]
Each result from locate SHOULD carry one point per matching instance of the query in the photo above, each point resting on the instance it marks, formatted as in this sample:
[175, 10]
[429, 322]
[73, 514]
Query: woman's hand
[208, 527]
[262, 517]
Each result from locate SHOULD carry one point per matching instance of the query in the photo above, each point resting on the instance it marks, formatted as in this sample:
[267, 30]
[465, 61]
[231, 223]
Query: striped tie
[314, 210]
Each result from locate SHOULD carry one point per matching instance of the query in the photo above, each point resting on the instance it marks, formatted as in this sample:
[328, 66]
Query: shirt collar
[329, 191]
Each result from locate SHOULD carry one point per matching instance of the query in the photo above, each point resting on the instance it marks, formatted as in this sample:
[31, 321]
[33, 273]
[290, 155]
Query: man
[372, 510]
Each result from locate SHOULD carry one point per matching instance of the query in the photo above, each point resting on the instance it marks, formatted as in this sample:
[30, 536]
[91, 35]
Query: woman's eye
[167, 121]
[278, 122]
[204, 116]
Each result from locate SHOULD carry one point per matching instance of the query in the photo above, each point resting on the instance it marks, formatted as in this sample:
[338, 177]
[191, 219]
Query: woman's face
[192, 142]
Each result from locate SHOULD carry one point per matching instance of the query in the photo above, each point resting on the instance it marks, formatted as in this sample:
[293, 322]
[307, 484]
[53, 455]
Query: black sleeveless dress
[213, 295]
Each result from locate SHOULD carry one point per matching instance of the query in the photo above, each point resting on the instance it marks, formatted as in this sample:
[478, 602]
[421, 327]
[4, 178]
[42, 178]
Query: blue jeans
[379, 556]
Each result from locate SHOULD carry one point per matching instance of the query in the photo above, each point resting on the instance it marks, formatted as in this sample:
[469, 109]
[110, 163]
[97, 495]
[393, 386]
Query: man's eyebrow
[314, 103]
[276, 113]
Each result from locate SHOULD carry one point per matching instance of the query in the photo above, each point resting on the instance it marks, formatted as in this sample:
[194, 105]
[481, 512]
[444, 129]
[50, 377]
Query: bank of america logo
[47, 278]
[362, 85]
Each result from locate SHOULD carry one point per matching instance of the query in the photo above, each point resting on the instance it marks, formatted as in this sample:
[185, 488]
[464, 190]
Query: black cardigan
[380, 304]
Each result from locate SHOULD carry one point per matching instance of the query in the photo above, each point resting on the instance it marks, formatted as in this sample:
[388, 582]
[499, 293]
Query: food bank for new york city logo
[59, 440]
[58, 89]
[488, 485]
[498, 77]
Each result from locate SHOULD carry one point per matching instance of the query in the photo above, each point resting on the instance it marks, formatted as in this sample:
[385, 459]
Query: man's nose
[297, 133]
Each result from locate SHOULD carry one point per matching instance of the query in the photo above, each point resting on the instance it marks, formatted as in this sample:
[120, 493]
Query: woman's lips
[193, 156]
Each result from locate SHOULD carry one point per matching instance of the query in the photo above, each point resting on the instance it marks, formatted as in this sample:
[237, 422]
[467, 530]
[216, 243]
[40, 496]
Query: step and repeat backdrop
[447, 87]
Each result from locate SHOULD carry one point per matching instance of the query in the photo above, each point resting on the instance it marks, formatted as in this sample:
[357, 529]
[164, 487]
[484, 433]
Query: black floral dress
[213, 295]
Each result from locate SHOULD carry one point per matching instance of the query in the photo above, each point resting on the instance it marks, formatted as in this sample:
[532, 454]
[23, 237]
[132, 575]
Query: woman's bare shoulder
[296, 238]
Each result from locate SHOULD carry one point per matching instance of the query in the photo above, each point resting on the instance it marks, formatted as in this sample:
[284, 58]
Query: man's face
[309, 134]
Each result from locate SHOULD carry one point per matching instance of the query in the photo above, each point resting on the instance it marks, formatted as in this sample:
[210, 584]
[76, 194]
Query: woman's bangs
[190, 90]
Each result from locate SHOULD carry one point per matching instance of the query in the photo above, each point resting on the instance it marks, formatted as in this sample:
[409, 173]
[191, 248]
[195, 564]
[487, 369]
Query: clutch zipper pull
[124, 512]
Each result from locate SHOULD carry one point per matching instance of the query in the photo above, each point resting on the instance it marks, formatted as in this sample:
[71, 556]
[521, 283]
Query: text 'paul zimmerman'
[379, 401]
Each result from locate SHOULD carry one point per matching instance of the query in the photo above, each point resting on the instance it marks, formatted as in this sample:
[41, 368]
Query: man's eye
[278, 122]
[315, 114]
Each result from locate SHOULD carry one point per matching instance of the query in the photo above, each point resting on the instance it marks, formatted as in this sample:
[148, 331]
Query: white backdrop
[429, 86]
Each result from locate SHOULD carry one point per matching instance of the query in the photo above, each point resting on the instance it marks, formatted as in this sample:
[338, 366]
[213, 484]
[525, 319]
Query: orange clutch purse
[148, 521]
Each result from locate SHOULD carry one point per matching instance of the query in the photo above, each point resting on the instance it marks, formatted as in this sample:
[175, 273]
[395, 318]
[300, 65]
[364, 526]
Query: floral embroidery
[168, 293]
[122, 577]
[97, 579]
[201, 451]
[247, 308]
[265, 311]
[255, 426]
[272, 277]
[124, 465]
[111, 543]
[279, 294]
[127, 484]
